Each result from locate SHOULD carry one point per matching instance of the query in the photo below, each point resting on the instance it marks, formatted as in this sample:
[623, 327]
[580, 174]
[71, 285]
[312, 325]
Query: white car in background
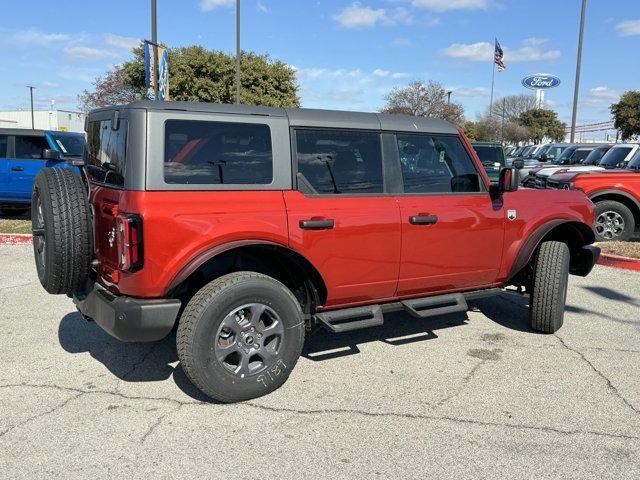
[619, 155]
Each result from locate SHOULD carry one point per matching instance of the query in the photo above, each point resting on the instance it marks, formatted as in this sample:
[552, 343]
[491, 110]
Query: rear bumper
[128, 319]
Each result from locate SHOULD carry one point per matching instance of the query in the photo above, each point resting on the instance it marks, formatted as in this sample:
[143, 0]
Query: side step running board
[437, 305]
[351, 318]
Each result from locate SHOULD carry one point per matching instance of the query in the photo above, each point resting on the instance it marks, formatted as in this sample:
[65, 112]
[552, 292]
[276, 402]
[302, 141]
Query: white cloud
[447, 5]
[79, 52]
[531, 50]
[605, 93]
[121, 42]
[208, 5]
[470, 92]
[261, 7]
[38, 37]
[378, 72]
[357, 15]
[628, 28]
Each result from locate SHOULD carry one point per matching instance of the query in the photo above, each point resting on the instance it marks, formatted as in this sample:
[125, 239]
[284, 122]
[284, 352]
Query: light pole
[154, 40]
[33, 123]
[449, 96]
[578, 65]
[238, 52]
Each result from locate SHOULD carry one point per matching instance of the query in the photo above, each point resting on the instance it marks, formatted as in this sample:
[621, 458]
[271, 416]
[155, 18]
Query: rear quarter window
[217, 153]
[106, 152]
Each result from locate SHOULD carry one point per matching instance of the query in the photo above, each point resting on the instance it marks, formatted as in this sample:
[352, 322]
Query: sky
[348, 55]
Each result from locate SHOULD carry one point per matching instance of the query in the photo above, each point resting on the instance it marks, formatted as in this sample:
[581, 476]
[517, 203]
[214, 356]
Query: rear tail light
[129, 241]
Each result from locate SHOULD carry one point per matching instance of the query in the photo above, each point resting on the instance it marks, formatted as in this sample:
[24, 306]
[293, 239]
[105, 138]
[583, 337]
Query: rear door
[27, 161]
[340, 217]
[452, 230]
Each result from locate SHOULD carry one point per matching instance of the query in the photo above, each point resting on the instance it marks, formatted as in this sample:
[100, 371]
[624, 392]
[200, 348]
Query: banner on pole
[163, 70]
[150, 69]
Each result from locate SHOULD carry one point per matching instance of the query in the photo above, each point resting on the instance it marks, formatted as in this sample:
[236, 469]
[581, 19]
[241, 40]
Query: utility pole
[449, 97]
[238, 52]
[33, 123]
[154, 40]
[578, 66]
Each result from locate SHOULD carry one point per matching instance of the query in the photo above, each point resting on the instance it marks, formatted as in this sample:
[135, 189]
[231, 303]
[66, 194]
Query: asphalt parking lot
[465, 396]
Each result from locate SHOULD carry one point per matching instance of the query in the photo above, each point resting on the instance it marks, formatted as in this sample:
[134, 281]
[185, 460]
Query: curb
[616, 261]
[15, 239]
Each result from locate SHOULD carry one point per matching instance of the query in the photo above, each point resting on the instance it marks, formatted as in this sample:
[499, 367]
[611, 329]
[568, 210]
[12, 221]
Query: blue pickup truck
[23, 153]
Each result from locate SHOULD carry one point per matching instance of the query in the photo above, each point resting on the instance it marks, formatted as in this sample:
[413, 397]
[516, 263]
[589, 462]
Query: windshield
[635, 161]
[615, 157]
[554, 152]
[489, 155]
[541, 152]
[69, 145]
[596, 154]
[566, 155]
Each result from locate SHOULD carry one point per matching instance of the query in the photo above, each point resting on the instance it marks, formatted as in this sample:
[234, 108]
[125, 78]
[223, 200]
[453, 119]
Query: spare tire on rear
[62, 230]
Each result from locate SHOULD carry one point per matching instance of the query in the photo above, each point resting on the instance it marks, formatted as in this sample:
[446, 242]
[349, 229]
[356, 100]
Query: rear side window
[580, 155]
[30, 147]
[217, 153]
[436, 164]
[340, 161]
[3, 145]
[106, 152]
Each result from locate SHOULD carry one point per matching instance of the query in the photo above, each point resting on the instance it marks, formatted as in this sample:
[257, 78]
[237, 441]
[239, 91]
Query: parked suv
[248, 226]
[23, 153]
[616, 194]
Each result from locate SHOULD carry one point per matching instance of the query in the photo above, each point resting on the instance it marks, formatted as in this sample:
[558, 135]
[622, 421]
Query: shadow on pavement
[609, 294]
[158, 361]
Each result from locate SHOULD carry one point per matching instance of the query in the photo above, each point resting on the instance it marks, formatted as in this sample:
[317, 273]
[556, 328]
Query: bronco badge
[512, 214]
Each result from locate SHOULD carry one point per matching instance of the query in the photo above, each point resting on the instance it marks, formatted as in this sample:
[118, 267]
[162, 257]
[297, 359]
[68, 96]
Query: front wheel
[550, 281]
[614, 221]
[240, 336]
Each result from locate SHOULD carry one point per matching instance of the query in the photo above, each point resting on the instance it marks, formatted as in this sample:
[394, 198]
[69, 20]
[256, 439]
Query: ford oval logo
[541, 81]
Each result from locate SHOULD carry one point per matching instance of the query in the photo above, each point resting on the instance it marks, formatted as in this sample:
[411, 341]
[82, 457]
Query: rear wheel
[614, 221]
[62, 230]
[240, 336]
[550, 281]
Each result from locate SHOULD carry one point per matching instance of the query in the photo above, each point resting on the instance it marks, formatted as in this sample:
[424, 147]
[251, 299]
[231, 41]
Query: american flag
[498, 57]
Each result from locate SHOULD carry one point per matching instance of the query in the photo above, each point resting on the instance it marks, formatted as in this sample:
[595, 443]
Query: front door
[452, 231]
[25, 165]
[340, 218]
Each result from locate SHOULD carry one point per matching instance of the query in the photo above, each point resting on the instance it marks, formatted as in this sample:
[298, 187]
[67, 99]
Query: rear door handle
[17, 169]
[316, 224]
[423, 219]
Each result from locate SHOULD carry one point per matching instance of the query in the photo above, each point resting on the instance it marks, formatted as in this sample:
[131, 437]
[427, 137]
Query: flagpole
[493, 78]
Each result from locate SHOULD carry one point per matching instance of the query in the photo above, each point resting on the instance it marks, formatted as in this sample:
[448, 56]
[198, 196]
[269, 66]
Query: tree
[197, 74]
[423, 100]
[512, 106]
[108, 90]
[470, 131]
[543, 123]
[627, 114]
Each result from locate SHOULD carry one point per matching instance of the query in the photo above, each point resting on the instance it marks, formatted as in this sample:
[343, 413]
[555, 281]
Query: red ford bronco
[248, 226]
[616, 194]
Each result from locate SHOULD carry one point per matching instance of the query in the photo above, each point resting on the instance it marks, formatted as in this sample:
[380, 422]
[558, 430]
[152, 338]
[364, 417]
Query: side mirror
[509, 179]
[115, 120]
[48, 154]
[519, 164]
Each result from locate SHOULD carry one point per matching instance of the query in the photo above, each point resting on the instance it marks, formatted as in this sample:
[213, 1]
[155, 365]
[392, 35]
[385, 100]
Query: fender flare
[615, 192]
[531, 243]
[200, 259]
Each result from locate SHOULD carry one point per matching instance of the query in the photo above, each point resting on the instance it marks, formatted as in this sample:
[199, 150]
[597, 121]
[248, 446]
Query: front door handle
[316, 224]
[423, 219]
[17, 169]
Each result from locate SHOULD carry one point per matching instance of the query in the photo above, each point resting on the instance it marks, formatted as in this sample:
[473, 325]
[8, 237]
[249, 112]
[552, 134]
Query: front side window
[217, 153]
[30, 147]
[340, 161]
[106, 152]
[579, 156]
[594, 157]
[436, 164]
[615, 156]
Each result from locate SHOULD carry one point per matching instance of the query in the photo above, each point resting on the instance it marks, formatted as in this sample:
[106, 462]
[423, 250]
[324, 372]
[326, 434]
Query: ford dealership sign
[541, 81]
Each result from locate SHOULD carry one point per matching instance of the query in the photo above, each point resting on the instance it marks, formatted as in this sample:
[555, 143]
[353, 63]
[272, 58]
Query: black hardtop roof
[305, 116]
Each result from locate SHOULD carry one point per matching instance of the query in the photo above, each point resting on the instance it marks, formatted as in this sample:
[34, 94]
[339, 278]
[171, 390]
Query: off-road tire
[65, 225]
[622, 210]
[550, 280]
[202, 318]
